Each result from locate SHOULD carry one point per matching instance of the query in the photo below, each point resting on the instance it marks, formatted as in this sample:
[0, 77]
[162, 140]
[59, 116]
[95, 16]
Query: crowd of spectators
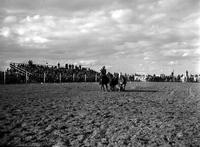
[34, 73]
[166, 78]
[173, 78]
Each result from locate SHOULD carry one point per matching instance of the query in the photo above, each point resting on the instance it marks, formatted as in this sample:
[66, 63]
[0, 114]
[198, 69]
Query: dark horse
[104, 80]
[114, 80]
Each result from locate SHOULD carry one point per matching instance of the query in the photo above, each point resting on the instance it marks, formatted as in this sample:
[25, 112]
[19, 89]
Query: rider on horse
[103, 71]
[104, 80]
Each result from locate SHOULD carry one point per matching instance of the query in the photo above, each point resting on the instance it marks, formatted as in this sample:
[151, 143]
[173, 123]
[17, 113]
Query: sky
[128, 36]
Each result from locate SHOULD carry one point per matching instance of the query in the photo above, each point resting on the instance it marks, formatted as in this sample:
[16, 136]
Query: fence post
[44, 77]
[60, 77]
[96, 78]
[85, 78]
[4, 77]
[73, 77]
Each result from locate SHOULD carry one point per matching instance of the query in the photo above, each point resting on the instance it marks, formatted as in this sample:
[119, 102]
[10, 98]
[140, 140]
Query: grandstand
[37, 73]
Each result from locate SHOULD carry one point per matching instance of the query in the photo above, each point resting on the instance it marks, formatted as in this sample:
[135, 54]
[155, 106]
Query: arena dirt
[80, 114]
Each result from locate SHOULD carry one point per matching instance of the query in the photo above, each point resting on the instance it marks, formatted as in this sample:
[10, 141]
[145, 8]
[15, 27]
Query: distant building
[140, 77]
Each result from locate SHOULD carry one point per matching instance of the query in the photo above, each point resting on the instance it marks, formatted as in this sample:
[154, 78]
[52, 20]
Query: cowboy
[103, 71]
[104, 80]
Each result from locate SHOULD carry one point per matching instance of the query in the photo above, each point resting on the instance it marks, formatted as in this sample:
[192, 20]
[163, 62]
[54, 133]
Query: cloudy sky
[149, 36]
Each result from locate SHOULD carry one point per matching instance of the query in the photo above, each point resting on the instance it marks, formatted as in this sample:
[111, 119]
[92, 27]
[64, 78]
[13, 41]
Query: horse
[114, 80]
[104, 80]
[122, 82]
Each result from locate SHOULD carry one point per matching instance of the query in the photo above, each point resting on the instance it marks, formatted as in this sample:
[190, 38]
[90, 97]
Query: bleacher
[37, 73]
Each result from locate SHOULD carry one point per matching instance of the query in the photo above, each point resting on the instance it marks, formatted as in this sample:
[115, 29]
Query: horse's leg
[107, 87]
[124, 86]
[114, 87]
[120, 87]
[110, 87]
[103, 87]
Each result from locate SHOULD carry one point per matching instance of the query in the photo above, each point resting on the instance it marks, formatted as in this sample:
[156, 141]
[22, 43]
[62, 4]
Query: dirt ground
[80, 114]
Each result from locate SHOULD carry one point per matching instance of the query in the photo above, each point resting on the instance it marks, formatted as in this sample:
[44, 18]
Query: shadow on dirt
[140, 90]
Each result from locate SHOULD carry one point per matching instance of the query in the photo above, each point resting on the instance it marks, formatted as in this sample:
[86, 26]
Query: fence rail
[25, 77]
